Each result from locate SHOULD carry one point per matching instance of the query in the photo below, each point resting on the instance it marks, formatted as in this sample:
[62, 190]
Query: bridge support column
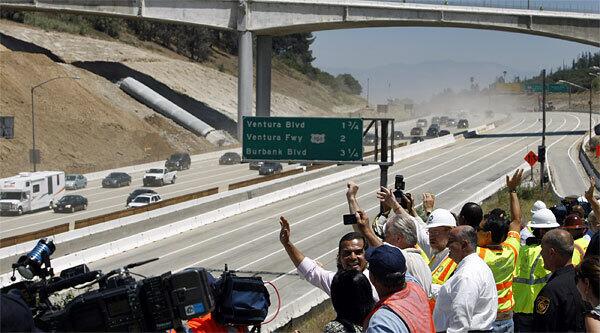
[245, 79]
[264, 45]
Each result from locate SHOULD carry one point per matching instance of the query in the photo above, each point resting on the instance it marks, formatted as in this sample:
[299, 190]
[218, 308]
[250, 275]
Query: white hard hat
[440, 218]
[543, 218]
[537, 206]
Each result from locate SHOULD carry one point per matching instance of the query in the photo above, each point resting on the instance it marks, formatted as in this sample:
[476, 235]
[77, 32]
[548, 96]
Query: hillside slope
[90, 124]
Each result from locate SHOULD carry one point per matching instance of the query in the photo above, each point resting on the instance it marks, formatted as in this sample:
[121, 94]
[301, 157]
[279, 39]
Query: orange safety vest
[410, 304]
[206, 324]
[502, 262]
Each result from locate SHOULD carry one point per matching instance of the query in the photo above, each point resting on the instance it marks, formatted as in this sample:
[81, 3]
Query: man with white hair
[401, 232]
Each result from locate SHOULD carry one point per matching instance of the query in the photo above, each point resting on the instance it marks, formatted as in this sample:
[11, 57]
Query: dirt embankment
[90, 124]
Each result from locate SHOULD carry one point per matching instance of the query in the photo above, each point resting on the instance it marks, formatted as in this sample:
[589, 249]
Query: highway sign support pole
[263, 75]
[383, 175]
[543, 158]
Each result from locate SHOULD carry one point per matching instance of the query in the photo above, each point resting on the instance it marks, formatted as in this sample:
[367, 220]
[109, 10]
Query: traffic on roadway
[249, 241]
[109, 197]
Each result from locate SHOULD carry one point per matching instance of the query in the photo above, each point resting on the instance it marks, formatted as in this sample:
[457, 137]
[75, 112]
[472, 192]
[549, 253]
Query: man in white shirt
[351, 255]
[468, 300]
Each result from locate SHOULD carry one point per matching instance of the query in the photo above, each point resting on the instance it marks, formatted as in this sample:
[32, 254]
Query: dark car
[416, 139]
[434, 130]
[269, 168]
[116, 179]
[416, 131]
[230, 158]
[463, 123]
[178, 161]
[255, 165]
[137, 192]
[444, 132]
[71, 203]
[369, 139]
[398, 135]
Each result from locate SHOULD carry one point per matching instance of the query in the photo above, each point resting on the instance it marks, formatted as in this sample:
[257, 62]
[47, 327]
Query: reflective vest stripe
[481, 252]
[449, 265]
[529, 281]
[508, 298]
[503, 285]
[516, 253]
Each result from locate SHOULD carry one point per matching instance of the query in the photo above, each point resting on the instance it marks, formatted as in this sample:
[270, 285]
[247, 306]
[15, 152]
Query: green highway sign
[302, 139]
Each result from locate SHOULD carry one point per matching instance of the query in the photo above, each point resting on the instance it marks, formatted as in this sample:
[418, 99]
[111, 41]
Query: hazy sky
[372, 47]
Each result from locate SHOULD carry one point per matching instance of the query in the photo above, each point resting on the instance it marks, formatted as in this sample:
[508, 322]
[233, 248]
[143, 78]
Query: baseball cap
[440, 218]
[537, 206]
[385, 259]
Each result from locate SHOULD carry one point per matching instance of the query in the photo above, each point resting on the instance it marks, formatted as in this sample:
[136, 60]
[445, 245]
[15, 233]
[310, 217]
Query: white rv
[29, 191]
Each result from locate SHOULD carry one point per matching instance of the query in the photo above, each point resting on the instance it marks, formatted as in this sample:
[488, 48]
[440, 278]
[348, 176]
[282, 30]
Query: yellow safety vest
[423, 254]
[579, 247]
[530, 277]
[502, 262]
[443, 271]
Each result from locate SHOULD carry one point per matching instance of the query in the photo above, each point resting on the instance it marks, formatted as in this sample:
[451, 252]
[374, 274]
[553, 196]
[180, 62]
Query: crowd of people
[471, 272]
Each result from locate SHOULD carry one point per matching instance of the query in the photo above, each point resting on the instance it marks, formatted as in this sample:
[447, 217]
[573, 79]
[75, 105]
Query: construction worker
[575, 225]
[530, 274]
[498, 245]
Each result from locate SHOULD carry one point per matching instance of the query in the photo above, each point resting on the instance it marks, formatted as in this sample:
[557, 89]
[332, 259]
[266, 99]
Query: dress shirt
[321, 278]
[468, 300]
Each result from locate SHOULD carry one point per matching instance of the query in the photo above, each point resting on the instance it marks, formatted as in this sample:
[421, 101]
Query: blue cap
[385, 259]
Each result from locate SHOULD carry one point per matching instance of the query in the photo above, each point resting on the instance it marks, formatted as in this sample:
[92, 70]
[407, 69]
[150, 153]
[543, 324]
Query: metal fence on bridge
[578, 6]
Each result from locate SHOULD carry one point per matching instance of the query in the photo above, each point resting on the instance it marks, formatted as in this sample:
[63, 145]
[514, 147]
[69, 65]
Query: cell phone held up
[349, 219]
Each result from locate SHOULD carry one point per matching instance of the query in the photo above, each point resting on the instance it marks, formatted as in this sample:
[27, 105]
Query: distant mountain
[420, 81]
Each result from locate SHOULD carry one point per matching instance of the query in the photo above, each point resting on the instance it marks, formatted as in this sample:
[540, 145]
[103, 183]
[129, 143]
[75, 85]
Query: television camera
[120, 303]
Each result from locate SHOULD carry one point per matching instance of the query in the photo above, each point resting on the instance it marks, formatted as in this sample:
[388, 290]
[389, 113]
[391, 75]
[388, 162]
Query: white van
[29, 191]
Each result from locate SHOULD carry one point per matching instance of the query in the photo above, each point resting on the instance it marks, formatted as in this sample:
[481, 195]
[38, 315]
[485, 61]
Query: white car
[159, 177]
[144, 200]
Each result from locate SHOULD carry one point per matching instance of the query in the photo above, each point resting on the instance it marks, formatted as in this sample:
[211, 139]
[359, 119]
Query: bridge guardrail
[137, 210]
[34, 235]
[537, 5]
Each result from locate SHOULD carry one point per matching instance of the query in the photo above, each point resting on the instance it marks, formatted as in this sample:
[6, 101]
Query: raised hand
[513, 182]
[284, 234]
[352, 189]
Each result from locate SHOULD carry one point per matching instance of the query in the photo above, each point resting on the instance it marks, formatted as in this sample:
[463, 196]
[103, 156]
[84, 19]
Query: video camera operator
[121, 303]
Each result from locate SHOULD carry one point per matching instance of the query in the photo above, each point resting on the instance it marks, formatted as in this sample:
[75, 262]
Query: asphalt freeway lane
[202, 175]
[250, 242]
[567, 173]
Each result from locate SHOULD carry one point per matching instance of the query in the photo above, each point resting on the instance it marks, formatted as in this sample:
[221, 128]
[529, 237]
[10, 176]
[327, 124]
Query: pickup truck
[159, 176]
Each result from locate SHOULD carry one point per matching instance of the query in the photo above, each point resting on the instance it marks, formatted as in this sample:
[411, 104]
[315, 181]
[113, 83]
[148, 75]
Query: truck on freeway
[29, 191]
[159, 177]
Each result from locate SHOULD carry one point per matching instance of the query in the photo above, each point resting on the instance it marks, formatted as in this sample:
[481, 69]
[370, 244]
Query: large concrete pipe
[152, 99]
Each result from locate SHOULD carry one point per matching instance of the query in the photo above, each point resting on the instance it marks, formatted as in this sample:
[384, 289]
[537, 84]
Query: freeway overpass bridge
[267, 18]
